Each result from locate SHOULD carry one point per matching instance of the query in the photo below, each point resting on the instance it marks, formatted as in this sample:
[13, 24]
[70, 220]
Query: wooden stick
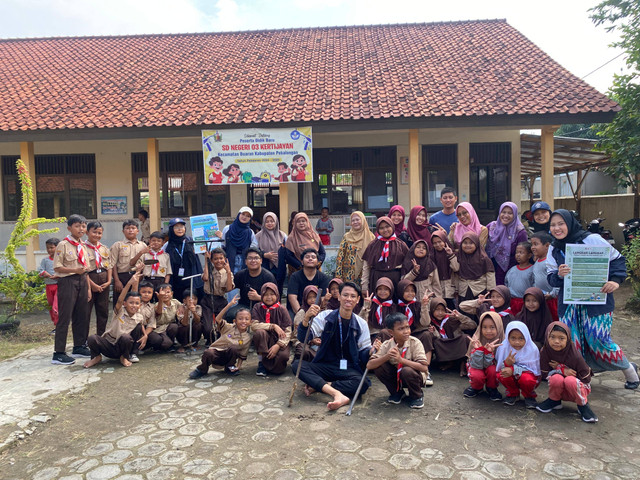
[355, 397]
[306, 338]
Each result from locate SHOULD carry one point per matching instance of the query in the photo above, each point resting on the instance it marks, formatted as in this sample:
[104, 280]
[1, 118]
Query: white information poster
[589, 272]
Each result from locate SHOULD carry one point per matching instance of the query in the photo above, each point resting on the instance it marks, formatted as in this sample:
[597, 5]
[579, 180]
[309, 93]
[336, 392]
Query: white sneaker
[134, 358]
[428, 382]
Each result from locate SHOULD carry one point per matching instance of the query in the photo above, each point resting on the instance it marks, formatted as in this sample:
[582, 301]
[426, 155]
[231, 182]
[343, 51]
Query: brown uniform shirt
[219, 283]
[67, 256]
[187, 312]
[164, 265]
[229, 335]
[148, 314]
[415, 352]
[121, 324]
[104, 253]
[122, 252]
[167, 316]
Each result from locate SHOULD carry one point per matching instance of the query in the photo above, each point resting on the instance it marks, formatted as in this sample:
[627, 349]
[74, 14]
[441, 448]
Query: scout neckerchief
[96, 249]
[407, 309]
[79, 249]
[440, 327]
[268, 309]
[502, 313]
[154, 267]
[398, 381]
[385, 250]
[386, 303]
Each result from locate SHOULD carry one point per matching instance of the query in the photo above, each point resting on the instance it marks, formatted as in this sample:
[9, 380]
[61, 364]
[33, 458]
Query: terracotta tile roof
[453, 69]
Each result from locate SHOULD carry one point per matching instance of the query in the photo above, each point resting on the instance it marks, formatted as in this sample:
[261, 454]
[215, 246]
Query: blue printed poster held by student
[257, 156]
[589, 272]
[203, 231]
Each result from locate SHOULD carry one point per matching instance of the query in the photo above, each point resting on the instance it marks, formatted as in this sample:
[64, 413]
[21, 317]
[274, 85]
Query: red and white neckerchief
[79, 249]
[386, 303]
[440, 327]
[154, 267]
[407, 310]
[502, 313]
[398, 381]
[268, 309]
[96, 249]
[385, 250]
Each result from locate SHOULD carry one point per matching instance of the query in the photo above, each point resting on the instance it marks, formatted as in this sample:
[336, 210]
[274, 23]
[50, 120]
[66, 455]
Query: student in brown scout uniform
[401, 363]
[160, 272]
[213, 302]
[231, 349]
[148, 313]
[121, 254]
[164, 334]
[99, 275]
[308, 310]
[189, 310]
[124, 330]
[377, 306]
[71, 263]
[271, 326]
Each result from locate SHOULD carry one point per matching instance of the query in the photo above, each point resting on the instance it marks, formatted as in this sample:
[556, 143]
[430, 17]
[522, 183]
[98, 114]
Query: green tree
[621, 138]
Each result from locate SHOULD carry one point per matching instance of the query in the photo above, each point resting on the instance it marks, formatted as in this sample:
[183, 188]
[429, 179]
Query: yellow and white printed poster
[257, 156]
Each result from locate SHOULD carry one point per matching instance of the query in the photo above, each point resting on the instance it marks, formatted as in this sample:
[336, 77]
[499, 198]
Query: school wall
[114, 172]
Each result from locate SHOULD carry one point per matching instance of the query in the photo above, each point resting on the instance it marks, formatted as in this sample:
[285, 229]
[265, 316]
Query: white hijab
[528, 356]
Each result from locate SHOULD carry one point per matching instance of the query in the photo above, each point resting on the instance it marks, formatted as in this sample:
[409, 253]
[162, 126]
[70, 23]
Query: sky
[562, 28]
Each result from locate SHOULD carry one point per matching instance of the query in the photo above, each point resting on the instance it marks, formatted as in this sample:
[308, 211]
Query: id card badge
[343, 364]
[181, 272]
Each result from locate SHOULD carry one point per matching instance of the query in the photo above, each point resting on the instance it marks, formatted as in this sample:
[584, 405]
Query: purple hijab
[501, 236]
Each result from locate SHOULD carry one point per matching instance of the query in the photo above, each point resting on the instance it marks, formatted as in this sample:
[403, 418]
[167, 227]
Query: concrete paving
[151, 422]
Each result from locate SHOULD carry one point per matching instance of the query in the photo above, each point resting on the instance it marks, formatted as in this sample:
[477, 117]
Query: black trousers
[317, 375]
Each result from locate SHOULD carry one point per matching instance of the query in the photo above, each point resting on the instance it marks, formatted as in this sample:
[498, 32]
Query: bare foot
[93, 361]
[308, 391]
[125, 362]
[180, 350]
[338, 401]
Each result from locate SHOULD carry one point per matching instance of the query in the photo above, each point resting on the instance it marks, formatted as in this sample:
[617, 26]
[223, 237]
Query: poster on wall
[257, 156]
[203, 229]
[589, 272]
[404, 170]
[114, 205]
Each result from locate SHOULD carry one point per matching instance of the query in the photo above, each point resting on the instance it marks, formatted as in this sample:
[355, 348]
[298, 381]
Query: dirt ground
[150, 421]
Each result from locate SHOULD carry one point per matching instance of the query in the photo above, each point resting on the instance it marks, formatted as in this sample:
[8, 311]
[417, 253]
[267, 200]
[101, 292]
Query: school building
[108, 125]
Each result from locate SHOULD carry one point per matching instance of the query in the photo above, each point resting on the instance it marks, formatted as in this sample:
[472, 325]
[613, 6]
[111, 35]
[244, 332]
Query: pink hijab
[474, 227]
[399, 228]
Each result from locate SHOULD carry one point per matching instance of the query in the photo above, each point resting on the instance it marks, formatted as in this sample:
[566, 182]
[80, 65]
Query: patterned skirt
[592, 338]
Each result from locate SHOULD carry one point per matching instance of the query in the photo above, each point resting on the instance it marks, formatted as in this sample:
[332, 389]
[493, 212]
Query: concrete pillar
[415, 179]
[153, 177]
[284, 205]
[546, 159]
[516, 172]
[464, 190]
[29, 159]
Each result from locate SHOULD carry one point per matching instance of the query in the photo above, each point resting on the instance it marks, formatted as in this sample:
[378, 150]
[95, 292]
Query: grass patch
[24, 338]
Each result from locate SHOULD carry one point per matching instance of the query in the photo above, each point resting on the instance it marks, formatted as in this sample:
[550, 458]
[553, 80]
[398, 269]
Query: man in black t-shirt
[251, 279]
[309, 275]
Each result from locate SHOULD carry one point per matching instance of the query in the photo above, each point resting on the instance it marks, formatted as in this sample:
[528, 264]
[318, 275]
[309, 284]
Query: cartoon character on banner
[283, 172]
[298, 168]
[216, 164]
[295, 135]
[233, 173]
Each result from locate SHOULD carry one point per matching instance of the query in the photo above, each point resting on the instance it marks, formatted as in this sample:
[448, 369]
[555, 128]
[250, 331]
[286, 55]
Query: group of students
[485, 298]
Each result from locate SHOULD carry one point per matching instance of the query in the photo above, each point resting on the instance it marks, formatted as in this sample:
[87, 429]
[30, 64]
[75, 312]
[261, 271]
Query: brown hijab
[450, 324]
[497, 320]
[378, 313]
[568, 356]
[426, 263]
[505, 310]
[299, 240]
[334, 303]
[475, 265]
[441, 259]
[305, 293]
[278, 315]
[270, 240]
[538, 321]
[373, 252]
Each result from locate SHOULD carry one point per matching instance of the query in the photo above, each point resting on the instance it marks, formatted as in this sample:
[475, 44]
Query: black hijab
[575, 231]
[182, 255]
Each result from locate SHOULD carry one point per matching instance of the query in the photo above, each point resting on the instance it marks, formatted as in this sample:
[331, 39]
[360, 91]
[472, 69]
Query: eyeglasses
[253, 259]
